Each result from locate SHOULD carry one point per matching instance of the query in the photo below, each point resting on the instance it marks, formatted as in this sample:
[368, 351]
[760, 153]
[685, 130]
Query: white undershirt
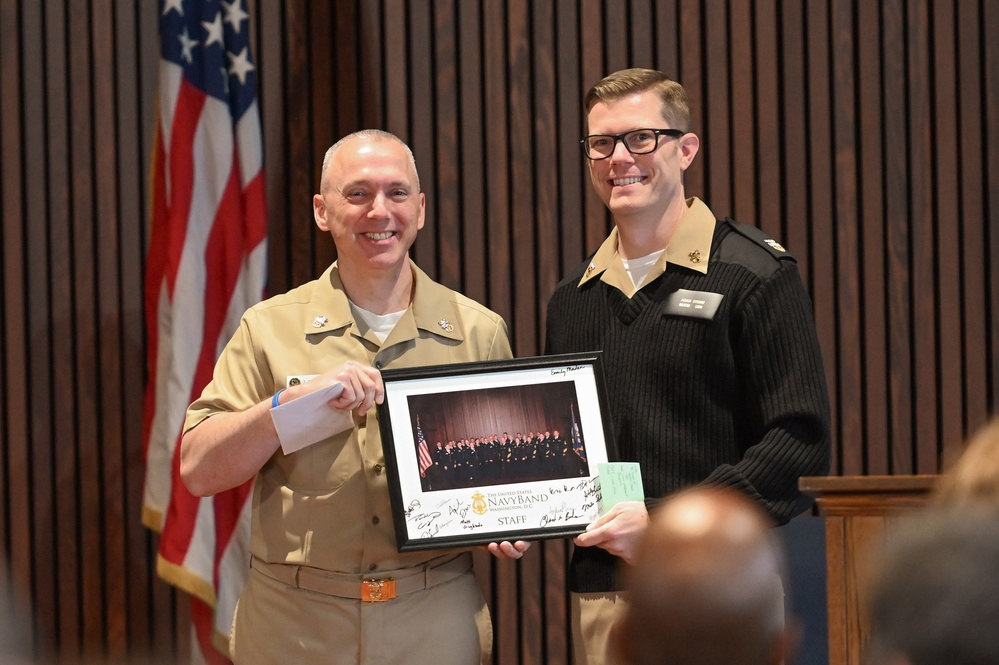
[380, 324]
[638, 269]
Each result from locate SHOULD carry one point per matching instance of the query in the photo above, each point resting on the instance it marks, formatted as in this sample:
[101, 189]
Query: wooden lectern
[858, 511]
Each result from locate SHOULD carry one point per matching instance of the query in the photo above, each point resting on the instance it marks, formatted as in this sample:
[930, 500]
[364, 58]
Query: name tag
[697, 304]
[299, 379]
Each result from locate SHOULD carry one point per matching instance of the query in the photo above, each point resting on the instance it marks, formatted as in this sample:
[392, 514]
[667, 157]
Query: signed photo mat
[485, 452]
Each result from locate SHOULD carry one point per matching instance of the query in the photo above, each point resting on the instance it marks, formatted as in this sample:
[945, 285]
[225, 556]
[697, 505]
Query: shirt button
[378, 364]
[375, 520]
[378, 469]
[373, 566]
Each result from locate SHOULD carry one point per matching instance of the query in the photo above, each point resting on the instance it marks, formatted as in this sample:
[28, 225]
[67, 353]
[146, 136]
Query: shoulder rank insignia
[761, 238]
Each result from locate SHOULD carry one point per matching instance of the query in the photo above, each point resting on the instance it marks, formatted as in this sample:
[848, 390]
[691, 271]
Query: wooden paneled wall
[862, 135]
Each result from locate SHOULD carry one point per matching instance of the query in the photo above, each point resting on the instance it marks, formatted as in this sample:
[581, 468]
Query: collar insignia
[590, 269]
[695, 256]
[445, 325]
[319, 321]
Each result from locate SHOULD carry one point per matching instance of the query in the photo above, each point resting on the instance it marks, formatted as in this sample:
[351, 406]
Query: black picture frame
[488, 485]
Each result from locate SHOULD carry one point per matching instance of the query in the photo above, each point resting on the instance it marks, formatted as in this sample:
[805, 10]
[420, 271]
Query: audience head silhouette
[935, 596]
[974, 477]
[705, 588]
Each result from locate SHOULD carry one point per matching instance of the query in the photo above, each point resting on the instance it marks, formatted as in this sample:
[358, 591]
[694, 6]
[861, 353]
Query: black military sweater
[738, 400]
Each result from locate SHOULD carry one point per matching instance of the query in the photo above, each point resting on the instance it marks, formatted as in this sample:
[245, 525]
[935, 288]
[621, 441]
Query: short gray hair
[372, 134]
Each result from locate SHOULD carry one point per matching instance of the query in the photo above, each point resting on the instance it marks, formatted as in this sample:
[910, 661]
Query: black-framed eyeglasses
[637, 141]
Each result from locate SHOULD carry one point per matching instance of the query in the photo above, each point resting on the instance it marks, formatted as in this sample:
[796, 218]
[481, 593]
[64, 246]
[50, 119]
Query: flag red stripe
[201, 619]
[190, 102]
[178, 527]
[223, 261]
[206, 265]
[181, 517]
[425, 461]
[228, 505]
[255, 219]
[224, 255]
[155, 268]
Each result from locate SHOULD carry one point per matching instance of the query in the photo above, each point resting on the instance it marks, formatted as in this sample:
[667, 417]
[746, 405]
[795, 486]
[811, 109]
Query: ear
[423, 211]
[319, 212]
[688, 146]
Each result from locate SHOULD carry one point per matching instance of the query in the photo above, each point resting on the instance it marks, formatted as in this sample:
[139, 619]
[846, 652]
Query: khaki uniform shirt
[689, 247]
[327, 506]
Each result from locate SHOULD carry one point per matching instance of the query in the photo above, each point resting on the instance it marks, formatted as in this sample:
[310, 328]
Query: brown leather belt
[392, 583]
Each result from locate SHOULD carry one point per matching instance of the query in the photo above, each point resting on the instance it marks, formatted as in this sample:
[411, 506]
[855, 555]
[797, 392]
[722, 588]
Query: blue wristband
[274, 400]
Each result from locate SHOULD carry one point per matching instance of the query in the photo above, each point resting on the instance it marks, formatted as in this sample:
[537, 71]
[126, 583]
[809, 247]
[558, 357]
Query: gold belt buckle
[377, 591]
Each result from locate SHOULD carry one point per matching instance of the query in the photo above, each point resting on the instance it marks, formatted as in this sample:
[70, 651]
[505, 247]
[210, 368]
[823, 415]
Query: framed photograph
[485, 452]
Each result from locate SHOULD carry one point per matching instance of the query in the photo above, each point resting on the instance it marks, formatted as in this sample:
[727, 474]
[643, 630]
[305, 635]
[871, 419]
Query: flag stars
[186, 44]
[223, 73]
[169, 5]
[240, 65]
[234, 14]
[214, 30]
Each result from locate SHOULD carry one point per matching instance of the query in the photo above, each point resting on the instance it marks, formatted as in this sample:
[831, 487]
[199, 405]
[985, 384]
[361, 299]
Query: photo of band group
[498, 436]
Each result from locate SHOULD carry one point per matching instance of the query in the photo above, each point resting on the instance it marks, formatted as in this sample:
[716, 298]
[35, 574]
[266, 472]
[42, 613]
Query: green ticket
[619, 481]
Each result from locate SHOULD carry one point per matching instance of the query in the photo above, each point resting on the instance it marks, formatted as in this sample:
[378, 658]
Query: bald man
[328, 583]
[705, 588]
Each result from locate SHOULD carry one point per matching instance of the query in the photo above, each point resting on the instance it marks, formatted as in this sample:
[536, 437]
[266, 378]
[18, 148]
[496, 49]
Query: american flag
[422, 452]
[206, 264]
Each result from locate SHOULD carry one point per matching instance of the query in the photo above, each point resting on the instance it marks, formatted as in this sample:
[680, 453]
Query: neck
[640, 235]
[379, 292]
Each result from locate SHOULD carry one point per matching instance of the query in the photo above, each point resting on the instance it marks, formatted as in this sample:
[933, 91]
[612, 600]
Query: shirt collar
[432, 309]
[690, 247]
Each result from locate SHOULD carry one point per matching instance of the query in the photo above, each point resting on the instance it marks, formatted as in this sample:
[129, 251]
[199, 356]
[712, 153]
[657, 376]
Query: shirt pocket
[322, 467]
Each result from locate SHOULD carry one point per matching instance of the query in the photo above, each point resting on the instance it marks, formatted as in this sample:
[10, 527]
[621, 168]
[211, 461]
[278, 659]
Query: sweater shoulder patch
[760, 238]
[751, 248]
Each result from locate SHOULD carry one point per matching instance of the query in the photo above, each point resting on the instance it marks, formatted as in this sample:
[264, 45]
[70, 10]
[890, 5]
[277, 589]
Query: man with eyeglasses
[713, 369]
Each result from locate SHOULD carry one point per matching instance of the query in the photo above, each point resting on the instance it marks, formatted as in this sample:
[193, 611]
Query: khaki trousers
[593, 616]
[447, 624]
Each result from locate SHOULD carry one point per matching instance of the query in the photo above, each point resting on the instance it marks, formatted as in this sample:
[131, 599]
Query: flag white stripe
[247, 289]
[170, 78]
[200, 556]
[250, 141]
[234, 566]
[212, 163]
[156, 495]
[196, 529]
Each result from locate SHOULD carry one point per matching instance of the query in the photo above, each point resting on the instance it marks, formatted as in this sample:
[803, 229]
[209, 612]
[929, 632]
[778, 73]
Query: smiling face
[371, 203]
[643, 187]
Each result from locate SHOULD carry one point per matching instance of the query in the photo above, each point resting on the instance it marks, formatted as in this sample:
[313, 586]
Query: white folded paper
[308, 419]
